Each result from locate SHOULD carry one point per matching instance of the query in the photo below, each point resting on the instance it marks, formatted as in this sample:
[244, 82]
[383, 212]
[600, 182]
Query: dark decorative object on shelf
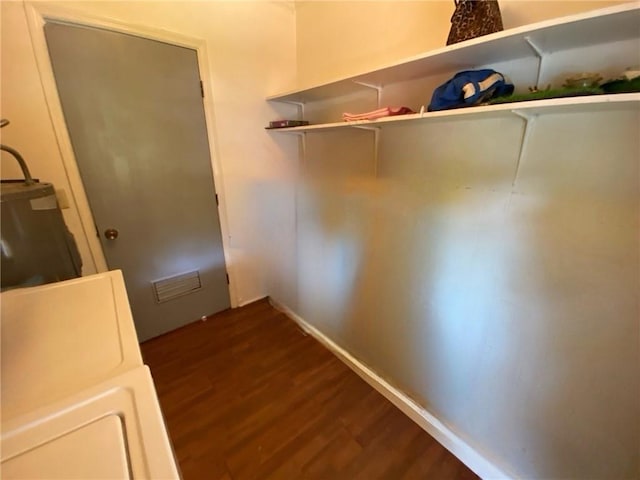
[286, 124]
[622, 85]
[474, 18]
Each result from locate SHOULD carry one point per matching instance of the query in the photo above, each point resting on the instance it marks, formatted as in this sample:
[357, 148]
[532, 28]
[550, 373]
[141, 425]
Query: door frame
[38, 13]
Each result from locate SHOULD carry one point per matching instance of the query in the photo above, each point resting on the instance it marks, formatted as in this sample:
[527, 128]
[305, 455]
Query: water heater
[36, 245]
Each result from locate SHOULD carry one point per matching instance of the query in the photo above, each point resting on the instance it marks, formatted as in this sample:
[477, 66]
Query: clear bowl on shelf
[583, 80]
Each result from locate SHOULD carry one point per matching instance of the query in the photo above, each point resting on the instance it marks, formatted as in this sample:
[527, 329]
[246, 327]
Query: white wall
[504, 299]
[340, 38]
[251, 48]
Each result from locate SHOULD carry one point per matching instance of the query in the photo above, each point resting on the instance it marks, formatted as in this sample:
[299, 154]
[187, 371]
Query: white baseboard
[434, 427]
[247, 302]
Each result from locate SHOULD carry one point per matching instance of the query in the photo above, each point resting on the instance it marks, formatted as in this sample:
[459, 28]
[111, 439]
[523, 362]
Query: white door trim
[37, 14]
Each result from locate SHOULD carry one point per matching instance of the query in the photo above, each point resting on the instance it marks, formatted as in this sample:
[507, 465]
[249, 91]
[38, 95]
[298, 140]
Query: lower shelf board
[586, 104]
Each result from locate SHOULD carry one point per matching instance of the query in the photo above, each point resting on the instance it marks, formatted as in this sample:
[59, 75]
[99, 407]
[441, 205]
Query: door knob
[111, 234]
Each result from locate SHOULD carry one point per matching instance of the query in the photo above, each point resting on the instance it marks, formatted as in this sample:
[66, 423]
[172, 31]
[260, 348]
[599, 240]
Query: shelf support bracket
[540, 55]
[302, 136]
[377, 88]
[303, 146]
[366, 127]
[300, 106]
[530, 121]
[376, 144]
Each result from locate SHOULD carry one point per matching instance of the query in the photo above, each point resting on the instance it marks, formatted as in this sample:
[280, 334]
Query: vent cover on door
[172, 287]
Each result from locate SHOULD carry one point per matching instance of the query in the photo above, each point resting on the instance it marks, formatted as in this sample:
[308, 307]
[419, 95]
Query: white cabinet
[77, 401]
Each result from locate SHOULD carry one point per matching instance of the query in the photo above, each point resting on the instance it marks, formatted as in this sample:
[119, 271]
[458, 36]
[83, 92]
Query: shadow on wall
[507, 311]
[330, 241]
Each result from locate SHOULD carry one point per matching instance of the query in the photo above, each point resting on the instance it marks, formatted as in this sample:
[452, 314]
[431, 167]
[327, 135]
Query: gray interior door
[134, 111]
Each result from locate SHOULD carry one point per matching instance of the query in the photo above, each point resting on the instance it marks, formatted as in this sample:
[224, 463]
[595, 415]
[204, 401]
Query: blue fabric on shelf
[470, 87]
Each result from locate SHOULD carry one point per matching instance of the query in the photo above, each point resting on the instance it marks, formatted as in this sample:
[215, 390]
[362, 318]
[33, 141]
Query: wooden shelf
[592, 103]
[607, 25]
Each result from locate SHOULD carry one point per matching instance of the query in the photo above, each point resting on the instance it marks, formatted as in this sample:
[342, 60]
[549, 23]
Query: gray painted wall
[509, 312]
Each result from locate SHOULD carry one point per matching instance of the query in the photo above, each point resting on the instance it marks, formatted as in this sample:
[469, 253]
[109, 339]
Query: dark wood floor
[247, 395]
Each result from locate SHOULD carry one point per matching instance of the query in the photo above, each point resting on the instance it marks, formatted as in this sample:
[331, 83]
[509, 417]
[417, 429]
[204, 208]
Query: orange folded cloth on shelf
[379, 113]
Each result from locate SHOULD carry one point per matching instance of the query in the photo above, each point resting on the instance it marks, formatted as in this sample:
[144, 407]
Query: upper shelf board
[617, 23]
[592, 103]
